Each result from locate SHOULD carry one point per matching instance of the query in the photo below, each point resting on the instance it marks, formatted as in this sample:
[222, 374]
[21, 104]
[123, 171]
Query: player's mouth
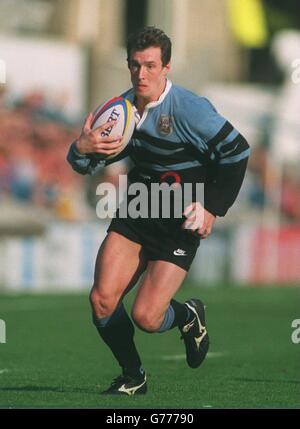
[140, 86]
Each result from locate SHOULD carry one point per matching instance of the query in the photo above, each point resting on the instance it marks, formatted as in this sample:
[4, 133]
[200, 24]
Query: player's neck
[141, 102]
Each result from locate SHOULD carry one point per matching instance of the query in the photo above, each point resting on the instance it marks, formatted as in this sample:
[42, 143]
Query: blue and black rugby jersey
[182, 135]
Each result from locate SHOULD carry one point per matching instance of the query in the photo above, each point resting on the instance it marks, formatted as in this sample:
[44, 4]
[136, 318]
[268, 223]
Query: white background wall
[55, 67]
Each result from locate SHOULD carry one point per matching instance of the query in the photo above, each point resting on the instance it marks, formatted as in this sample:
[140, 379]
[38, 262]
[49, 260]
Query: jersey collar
[131, 96]
[140, 120]
[162, 97]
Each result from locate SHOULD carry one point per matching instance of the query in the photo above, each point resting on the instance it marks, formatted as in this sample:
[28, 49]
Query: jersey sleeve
[89, 164]
[83, 163]
[226, 152]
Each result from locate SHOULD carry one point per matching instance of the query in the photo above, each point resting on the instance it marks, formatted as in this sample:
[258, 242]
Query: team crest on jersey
[165, 125]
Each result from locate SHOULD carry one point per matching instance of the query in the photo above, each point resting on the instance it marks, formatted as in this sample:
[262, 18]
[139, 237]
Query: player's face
[148, 75]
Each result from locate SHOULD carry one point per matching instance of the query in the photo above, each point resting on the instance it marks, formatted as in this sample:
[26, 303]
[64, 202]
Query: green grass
[53, 356]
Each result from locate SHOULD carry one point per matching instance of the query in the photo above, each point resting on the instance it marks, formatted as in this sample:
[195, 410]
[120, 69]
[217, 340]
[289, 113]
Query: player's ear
[167, 68]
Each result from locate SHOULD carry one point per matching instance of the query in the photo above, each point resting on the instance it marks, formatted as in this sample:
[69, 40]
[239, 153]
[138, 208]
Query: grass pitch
[53, 357]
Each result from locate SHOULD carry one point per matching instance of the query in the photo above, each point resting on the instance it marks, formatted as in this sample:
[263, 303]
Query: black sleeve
[89, 164]
[221, 193]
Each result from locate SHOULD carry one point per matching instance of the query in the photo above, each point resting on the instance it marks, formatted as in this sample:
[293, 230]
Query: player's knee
[103, 304]
[145, 320]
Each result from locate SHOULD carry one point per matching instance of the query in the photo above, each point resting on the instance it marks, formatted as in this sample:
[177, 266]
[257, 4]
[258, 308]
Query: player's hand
[91, 140]
[198, 220]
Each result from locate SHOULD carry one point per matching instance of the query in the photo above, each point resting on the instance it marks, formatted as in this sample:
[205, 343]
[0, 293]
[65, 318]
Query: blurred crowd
[34, 140]
[272, 185]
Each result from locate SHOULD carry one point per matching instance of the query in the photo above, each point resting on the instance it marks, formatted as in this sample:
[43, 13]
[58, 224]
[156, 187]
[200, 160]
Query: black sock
[118, 335]
[182, 314]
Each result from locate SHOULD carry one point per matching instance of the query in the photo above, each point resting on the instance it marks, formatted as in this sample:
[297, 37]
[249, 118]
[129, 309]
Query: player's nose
[141, 73]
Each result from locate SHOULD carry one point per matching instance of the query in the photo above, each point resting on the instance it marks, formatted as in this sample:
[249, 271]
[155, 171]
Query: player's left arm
[198, 220]
[228, 153]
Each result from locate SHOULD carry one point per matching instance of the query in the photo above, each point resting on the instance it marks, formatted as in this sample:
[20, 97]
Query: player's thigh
[119, 264]
[160, 283]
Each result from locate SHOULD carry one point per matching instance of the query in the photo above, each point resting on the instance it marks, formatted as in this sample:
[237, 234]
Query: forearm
[83, 163]
[89, 164]
[87, 155]
[221, 193]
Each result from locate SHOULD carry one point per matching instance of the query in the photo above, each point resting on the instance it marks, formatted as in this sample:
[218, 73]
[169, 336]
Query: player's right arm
[90, 142]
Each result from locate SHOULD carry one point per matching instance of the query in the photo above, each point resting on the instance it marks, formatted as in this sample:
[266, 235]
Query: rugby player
[179, 137]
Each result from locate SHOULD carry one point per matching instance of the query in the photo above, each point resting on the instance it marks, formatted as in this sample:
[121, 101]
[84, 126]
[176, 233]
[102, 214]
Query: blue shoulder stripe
[220, 136]
[235, 158]
[154, 149]
[158, 142]
[179, 166]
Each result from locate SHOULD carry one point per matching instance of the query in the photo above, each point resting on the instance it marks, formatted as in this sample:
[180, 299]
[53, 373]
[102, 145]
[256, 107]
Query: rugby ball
[115, 109]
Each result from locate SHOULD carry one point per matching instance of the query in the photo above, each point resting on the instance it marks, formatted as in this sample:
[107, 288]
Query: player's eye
[134, 67]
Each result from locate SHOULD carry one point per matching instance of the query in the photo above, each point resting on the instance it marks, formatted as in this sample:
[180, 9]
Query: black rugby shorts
[162, 239]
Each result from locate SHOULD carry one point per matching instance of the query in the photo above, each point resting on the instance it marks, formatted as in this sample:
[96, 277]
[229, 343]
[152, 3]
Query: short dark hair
[147, 37]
